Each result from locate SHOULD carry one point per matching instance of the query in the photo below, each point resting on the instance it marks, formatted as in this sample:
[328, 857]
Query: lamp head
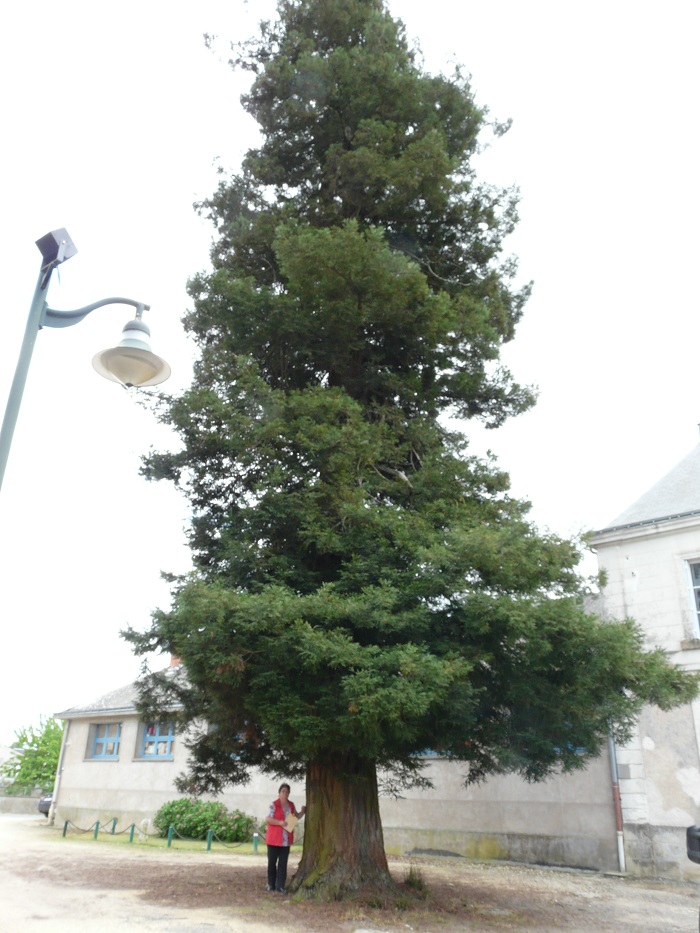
[132, 363]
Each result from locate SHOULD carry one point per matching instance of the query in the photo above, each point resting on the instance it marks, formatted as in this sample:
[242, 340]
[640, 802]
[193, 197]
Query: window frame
[693, 589]
[163, 732]
[98, 743]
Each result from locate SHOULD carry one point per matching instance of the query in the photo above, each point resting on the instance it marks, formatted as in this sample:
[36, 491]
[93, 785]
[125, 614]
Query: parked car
[44, 804]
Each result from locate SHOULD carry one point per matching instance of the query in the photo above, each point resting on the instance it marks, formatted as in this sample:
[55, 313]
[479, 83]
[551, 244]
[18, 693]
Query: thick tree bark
[343, 839]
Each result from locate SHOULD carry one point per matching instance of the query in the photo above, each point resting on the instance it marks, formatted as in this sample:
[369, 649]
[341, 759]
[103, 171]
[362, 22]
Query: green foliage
[414, 880]
[362, 585]
[33, 767]
[194, 818]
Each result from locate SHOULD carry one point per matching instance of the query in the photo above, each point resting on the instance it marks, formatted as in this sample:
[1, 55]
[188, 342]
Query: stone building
[651, 557]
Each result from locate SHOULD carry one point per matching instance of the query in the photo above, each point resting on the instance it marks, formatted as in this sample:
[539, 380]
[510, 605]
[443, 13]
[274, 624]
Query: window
[694, 570]
[156, 740]
[103, 741]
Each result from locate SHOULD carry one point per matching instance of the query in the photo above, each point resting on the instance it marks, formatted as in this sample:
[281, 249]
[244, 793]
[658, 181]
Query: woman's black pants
[277, 867]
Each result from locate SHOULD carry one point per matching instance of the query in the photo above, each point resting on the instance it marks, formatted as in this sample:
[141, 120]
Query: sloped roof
[121, 700]
[675, 495]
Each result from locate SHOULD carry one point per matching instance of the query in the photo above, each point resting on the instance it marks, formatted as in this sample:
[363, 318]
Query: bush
[193, 818]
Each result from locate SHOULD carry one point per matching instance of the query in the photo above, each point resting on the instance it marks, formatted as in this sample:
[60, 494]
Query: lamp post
[131, 363]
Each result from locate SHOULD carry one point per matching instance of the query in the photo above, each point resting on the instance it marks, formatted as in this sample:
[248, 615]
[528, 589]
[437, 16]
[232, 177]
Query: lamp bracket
[52, 318]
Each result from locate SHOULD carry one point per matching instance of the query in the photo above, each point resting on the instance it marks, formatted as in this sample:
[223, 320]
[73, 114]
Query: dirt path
[77, 885]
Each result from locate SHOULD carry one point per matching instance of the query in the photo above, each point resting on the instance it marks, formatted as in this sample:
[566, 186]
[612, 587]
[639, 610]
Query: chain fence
[110, 827]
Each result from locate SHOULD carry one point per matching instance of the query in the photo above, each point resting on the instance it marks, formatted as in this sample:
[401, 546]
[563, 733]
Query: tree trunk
[343, 839]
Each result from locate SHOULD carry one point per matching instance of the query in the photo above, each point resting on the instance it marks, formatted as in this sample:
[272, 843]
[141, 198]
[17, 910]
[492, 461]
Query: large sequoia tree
[364, 589]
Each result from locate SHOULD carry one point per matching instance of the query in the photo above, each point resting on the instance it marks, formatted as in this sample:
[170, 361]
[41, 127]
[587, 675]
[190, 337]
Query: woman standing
[278, 838]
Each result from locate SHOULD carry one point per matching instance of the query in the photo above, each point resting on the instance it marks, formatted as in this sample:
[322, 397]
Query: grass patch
[414, 880]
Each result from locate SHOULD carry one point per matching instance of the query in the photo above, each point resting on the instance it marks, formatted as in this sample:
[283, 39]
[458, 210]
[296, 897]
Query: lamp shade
[132, 363]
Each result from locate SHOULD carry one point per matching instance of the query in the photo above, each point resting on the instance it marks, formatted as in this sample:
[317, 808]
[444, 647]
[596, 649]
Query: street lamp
[131, 363]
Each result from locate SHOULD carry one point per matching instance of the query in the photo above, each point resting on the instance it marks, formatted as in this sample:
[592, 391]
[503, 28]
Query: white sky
[112, 119]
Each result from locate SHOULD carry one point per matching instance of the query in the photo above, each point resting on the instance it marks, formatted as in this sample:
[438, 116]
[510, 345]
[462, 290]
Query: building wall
[565, 821]
[19, 804]
[129, 788]
[646, 567]
[659, 769]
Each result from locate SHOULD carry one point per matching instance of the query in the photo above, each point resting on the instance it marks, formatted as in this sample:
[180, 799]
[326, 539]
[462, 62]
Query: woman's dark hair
[285, 785]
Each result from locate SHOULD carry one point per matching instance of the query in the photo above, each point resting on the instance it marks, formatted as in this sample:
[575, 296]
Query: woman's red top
[275, 834]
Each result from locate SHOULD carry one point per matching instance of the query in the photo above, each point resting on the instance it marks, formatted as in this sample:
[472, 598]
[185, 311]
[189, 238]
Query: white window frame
[694, 592]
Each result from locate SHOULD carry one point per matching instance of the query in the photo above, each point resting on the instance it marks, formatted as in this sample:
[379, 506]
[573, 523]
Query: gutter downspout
[59, 772]
[618, 806]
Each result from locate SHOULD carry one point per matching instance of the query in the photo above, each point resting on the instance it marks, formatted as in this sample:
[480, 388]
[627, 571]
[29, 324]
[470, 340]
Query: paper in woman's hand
[291, 822]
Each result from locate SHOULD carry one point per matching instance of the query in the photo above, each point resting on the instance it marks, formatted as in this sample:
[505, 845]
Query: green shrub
[193, 818]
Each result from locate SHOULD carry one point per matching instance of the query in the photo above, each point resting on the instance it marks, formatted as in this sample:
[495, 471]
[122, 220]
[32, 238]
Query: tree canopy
[33, 766]
[365, 588]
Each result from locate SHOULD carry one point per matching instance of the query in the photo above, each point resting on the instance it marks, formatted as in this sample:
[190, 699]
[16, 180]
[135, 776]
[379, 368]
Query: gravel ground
[76, 884]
